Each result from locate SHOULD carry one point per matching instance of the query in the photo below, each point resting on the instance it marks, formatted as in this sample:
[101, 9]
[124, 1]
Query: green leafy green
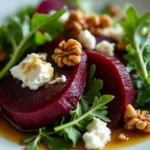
[138, 55]
[70, 128]
[34, 140]
[72, 134]
[26, 11]
[24, 35]
[56, 143]
[96, 85]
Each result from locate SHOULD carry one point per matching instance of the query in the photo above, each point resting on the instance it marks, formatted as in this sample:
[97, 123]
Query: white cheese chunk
[33, 71]
[116, 32]
[63, 18]
[87, 39]
[58, 80]
[106, 48]
[97, 135]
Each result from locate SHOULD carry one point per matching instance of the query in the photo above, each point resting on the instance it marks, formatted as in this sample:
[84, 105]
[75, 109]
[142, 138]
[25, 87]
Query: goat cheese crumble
[106, 48]
[87, 39]
[58, 80]
[97, 135]
[33, 71]
[116, 32]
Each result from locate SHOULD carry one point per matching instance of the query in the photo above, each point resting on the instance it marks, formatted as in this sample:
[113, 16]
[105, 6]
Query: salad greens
[20, 35]
[67, 131]
[137, 30]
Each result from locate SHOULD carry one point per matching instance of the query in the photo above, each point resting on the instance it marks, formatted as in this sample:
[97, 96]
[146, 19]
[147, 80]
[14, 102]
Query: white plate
[9, 6]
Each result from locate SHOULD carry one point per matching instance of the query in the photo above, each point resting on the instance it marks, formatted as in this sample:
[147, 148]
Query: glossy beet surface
[31, 109]
[47, 5]
[116, 82]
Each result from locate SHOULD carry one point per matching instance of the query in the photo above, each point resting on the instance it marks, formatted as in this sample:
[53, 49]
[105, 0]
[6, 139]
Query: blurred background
[8, 7]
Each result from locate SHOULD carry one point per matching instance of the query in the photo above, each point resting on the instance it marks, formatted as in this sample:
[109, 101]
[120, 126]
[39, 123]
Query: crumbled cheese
[58, 80]
[106, 48]
[87, 39]
[144, 31]
[97, 136]
[33, 71]
[63, 18]
[116, 32]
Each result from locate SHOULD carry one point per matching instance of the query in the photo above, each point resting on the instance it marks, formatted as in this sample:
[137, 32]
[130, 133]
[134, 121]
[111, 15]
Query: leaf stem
[141, 61]
[72, 123]
[15, 57]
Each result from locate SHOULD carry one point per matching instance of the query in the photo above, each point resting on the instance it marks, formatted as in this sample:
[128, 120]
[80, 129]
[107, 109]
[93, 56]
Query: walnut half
[68, 53]
[136, 119]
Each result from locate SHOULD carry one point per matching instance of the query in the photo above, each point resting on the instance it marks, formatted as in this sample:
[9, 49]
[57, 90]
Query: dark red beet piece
[48, 5]
[116, 82]
[30, 109]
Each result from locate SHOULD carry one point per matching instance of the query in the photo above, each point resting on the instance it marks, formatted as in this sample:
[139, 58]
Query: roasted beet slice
[47, 5]
[116, 82]
[30, 109]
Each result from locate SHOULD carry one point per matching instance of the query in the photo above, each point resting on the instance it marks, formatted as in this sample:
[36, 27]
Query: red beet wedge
[30, 109]
[116, 82]
[47, 5]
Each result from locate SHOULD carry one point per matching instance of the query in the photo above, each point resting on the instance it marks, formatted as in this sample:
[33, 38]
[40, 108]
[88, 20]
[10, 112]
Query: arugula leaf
[96, 85]
[72, 134]
[41, 38]
[29, 138]
[56, 143]
[138, 55]
[53, 29]
[12, 33]
[101, 114]
[98, 104]
[32, 146]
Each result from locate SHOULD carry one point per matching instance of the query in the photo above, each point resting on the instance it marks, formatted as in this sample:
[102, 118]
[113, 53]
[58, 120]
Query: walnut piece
[75, 24]
[68, 53]
[3, 54]
[78, 22]
[136, 119]
[97, 23]
[123, 137]
[114, 9]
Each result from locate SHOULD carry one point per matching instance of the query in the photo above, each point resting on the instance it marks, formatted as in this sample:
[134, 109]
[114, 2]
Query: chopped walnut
[123, 137]
[114, 9]
[106, 21]
[136, 119]
[75, 24]
[94, 24]
[68, 53]
[78, 22]
[3, 54]
[97, 23]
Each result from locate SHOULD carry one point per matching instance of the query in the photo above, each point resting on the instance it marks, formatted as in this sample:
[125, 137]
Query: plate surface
[7, 7]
